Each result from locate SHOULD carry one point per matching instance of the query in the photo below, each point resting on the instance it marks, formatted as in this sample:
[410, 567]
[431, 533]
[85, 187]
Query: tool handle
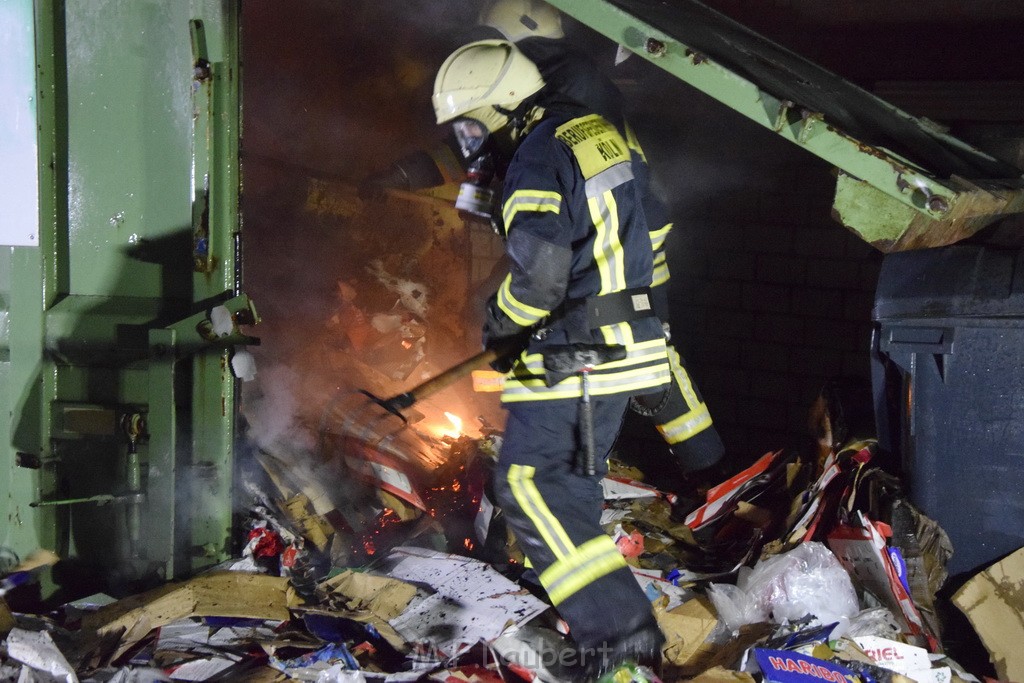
[587, 438]
[586, 421]
[454, 374]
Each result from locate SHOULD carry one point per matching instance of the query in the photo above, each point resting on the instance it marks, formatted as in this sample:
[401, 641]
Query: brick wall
[771, 297]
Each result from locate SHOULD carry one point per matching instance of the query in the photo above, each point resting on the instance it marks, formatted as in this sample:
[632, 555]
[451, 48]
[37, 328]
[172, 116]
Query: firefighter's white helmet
[519, 19]
[484, 74]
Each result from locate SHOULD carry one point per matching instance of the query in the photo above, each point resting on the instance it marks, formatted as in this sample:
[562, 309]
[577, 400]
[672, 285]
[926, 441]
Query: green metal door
[118, 447]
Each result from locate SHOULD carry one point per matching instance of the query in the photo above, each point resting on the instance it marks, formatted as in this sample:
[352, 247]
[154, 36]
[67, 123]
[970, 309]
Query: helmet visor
[471, 135]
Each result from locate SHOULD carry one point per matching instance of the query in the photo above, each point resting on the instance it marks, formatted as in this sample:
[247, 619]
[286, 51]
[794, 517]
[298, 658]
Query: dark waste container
[948, 380]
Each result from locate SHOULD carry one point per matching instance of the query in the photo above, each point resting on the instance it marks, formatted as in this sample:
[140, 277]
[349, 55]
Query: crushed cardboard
[310, 525]
[993, 601]
[217, 594]
[6, 618]
[382, 596]
[686, 628]
[724, 651]
[36, 650]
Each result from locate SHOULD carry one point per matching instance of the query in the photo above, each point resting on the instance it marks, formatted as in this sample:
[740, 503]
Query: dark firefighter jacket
[572, 77]
[574, 82]
[576, 230]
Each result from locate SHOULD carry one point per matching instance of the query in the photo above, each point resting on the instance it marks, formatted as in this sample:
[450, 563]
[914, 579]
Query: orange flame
[456, 430]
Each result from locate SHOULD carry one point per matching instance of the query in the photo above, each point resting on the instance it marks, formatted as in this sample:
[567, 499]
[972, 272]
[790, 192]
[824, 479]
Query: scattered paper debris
[36, 650]
[471, 602]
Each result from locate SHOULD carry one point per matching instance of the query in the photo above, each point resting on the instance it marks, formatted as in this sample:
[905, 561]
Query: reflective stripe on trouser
[684, 421]
[555, 511]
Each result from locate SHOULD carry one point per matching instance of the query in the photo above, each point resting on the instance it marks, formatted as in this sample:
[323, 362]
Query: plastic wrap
[877, 621]
[806, 581]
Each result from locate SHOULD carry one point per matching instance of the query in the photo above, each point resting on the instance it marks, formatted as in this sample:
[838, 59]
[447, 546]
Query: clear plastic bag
[807, 580]
[876, 621]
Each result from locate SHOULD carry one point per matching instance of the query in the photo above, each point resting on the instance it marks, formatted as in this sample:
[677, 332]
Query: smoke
[333, 92]
[345, 87]
[271, 410]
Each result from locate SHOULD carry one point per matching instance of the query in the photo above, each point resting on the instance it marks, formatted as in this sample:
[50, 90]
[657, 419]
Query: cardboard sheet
[6, 618]
[863, 552]
[218, 594]
[721, 499]
[994, 603]
[620, 489]
[686, 628]
[382, 596]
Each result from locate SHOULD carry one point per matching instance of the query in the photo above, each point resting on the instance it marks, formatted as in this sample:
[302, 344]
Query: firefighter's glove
[503, 335]
[504, 364]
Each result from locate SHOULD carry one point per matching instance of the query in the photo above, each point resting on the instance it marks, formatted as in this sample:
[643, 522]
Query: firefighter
[678, 412]
[578, 296]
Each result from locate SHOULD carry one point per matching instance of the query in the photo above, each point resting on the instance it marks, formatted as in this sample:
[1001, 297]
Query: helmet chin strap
[522, 118]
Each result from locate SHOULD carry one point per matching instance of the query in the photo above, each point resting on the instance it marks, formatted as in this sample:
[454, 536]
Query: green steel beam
[216, 182]
[920, 209]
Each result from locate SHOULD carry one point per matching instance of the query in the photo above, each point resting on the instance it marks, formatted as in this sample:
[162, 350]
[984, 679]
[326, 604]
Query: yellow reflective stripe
[530, 200]
[534, 389]
[619, 334]
[596, 381]
[598, 213]
[594, 559]
[520, 479]
[608, 252]
[660, 275]
[658, 236]
[686, 426]
[697, 419]
[522, 314]
[609, 179]
[682, 378]
[638, 352]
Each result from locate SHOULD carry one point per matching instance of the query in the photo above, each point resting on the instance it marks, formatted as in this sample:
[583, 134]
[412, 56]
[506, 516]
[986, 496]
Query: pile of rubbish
[801, 567]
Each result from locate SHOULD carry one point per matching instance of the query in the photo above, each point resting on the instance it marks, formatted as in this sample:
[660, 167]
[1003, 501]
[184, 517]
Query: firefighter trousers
[682, 418]
[554, 508]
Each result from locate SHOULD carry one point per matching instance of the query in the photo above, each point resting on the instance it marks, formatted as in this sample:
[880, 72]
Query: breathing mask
[474, 133]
